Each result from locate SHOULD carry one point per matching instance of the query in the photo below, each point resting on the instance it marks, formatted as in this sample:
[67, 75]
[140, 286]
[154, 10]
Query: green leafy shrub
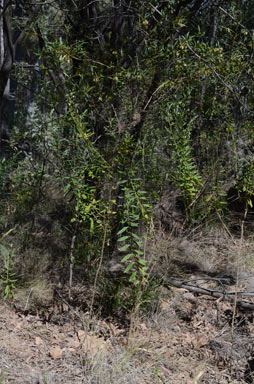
[135, 209]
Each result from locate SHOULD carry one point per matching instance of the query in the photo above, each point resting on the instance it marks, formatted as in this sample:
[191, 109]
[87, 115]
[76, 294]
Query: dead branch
[228, 295]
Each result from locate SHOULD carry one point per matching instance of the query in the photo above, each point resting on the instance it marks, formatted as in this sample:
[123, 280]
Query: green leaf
[67, 188]
[123, 238]
[138, 252]
[91, 225]
[133, 276]
[122, 182]
[127, 257]
[129, 267]
[142, 261]
[135, 236]
[143, 271]
[122, 230]
[124, 247]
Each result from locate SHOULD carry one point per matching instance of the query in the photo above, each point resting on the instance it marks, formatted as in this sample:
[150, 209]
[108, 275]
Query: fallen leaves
[38, 341]
[56, 353]
[91, 344]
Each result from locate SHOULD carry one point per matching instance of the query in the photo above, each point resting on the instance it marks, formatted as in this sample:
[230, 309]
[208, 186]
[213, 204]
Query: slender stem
[71, 263]
[99, 268]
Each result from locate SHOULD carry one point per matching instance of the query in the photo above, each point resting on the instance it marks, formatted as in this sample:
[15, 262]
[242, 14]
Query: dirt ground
[189, 339]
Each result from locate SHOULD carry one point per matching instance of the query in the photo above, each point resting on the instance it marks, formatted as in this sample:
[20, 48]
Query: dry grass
[35, 295]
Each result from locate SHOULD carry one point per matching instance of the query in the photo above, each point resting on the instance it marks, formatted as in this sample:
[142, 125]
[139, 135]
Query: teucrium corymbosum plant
[135, 210]
[183, 170]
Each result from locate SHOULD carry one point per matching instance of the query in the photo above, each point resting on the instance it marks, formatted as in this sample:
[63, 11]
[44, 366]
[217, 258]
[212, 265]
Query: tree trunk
[9, 41]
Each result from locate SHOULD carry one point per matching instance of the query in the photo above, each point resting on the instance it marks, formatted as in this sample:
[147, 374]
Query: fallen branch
[229, 295]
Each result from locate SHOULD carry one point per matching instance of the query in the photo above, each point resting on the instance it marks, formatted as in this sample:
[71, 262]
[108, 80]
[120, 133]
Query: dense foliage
[117, 103]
